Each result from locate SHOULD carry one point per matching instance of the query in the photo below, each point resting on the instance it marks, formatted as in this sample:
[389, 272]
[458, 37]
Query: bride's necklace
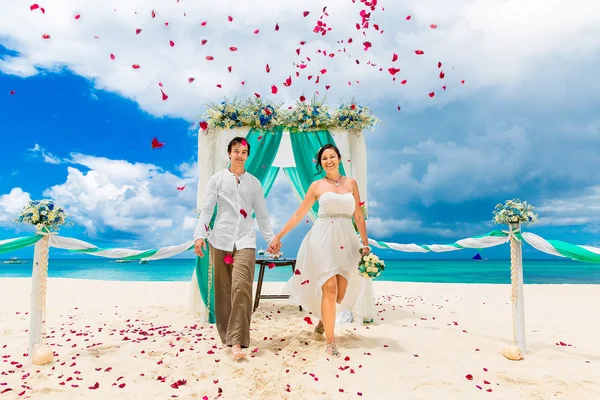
[336, 182]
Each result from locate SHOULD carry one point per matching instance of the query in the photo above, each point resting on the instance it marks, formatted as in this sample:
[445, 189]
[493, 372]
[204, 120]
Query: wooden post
[518, 299]
[39, 279]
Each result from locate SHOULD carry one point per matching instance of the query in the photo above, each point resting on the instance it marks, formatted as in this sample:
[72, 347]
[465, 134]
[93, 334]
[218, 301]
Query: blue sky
[525, 123]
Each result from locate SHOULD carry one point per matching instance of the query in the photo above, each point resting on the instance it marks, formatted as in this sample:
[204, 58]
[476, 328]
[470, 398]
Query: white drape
[354, 159]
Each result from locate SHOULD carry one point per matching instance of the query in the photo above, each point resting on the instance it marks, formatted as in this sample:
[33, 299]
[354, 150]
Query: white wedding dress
[330, 248]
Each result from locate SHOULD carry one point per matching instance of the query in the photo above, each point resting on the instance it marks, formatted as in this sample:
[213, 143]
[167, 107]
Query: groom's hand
[199, 245]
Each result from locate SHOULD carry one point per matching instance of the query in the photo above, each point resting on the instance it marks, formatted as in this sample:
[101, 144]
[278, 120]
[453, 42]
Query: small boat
[477, 257]
[143, 261]
[123, 261]
[13, 260]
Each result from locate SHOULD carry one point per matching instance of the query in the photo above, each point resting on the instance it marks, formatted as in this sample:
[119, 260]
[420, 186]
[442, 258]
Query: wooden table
[261, 275]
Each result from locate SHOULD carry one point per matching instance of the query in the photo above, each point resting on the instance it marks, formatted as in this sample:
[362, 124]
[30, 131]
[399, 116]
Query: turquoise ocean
[397, 270]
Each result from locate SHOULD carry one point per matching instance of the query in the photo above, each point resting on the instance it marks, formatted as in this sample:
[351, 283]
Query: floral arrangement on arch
[313, 116]
[354, 118]
[515, 211]
[43, 214]
[225, 115]
[262, 114]
[370, 266]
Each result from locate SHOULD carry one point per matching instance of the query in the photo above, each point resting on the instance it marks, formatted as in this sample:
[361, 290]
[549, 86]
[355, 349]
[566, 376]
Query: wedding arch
[278, 150]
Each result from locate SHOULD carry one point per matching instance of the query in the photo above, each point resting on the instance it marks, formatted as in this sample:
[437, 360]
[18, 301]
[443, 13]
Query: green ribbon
[19, 243]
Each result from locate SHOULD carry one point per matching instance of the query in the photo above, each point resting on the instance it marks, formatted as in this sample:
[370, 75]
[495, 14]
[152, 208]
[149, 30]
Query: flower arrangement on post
[370, 266]
[515, 211]
[311, 116]
[226, 115]
[261, 114]
[43, 214]
[354, 118]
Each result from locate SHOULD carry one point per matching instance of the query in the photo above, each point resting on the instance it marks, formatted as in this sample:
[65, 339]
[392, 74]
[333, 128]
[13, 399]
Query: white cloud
[135, 198]
[580, 208]
[494, 44]
[11, 205]
[46, 156]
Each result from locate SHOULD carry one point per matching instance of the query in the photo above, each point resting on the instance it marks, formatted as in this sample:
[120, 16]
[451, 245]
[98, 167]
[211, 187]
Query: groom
[233, 243]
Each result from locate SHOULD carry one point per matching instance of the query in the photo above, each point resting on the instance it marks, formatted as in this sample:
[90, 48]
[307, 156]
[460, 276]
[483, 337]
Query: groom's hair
[320, 154]
[238, 140]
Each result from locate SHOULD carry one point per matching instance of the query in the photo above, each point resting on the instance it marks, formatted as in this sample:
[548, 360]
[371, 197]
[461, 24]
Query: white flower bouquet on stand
[515, 211]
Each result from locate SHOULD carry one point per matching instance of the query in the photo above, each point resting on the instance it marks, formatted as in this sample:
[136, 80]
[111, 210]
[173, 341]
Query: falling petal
[77, 16]
[408, 17]
[305, 13]
[112, 57]
[203, 125]
[433, 26]
[229, 18]
[419, 52]
[277, 26]
[156, 144]
[45, 36]
[242, 211]
[228, 259]
[395, 57]
[431, 94]
[135, 66]
[274, 89]
[233, 48]
[190, 80]
[256, 31]
[308, 320]
[171, 43]
[138, 31]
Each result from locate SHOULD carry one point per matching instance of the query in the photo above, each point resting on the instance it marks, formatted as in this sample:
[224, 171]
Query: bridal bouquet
[43, 214]
[261, 114]
[354, 118]
[226, 115]
[370, 266]
[311, 116]
[515, 211]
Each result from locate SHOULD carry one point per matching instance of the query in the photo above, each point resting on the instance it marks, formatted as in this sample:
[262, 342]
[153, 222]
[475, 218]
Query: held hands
[199, 245]
[274, 246]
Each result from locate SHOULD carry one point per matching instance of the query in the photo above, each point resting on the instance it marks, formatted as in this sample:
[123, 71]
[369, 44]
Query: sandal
[332, 350]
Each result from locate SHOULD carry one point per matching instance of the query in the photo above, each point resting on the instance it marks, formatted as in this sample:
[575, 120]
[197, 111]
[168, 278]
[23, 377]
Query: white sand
[131, 333]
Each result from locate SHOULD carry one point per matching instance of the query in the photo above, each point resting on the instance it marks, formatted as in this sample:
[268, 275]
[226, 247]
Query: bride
[327, 261]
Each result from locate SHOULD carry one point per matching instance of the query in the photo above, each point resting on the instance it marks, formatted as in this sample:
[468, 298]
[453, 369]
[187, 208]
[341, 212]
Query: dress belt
[347, 216]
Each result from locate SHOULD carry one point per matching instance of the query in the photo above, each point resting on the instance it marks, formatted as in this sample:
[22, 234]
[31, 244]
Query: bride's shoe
[319, 331]
[332, 350]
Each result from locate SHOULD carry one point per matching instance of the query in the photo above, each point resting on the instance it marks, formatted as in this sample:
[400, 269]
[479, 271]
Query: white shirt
[231, 227]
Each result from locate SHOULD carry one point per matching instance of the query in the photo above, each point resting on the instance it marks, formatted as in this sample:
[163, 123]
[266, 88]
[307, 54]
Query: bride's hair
[320, 154]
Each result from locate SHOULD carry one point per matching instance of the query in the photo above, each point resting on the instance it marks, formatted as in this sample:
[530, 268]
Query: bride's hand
[274, 246]
[365, 251]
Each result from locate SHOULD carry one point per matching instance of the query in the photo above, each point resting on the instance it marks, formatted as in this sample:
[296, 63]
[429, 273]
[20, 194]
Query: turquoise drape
[19, 243]
[305, 146]
[263, 149]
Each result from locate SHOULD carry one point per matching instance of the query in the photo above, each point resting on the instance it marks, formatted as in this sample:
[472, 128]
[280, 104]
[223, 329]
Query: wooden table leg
[261, 276]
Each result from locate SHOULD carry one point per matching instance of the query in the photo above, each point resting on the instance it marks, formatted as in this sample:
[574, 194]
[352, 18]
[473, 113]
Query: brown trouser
[233, 294]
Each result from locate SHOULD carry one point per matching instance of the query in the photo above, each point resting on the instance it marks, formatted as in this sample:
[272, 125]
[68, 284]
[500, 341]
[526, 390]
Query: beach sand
[135, 340]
